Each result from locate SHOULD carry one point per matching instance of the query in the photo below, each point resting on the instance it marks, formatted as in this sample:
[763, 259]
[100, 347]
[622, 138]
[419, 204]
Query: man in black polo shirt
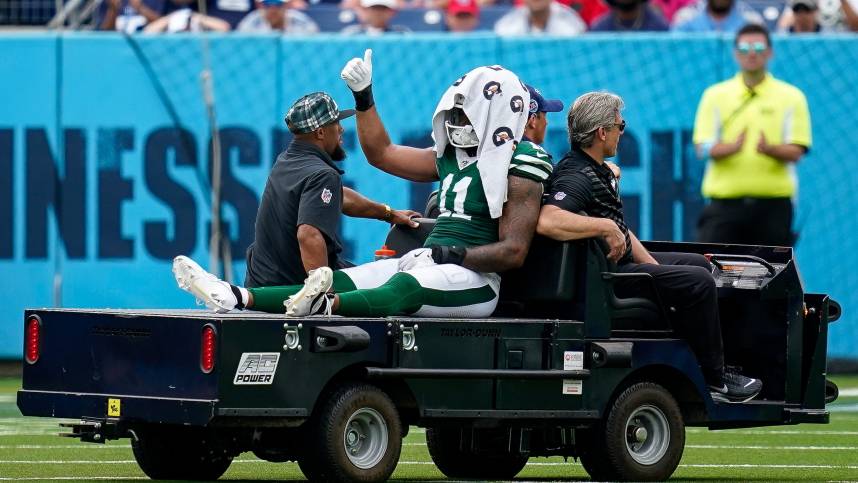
[581, 182]
[300, 209]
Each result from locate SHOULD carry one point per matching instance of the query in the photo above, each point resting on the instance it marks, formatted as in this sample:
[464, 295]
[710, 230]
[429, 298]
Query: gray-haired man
[581, 182]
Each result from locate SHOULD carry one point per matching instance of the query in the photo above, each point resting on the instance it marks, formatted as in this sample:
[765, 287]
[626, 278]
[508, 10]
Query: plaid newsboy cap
[314, 111]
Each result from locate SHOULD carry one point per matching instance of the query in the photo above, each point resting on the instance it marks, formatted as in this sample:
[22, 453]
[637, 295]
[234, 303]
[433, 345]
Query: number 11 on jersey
[461, 191]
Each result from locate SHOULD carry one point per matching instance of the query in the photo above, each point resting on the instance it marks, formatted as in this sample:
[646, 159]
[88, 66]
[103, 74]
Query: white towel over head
[495, 101]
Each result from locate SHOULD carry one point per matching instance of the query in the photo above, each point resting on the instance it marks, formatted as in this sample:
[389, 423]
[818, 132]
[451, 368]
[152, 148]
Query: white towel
[496, 103]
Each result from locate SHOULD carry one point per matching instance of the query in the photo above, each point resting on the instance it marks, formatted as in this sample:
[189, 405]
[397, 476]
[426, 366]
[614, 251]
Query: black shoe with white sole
[735, 388]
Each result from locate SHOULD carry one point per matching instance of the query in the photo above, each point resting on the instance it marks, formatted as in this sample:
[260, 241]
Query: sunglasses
[620, 125]
[745, 48]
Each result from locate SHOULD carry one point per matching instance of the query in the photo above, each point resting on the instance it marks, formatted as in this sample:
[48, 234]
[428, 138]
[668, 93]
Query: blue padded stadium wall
[104, 147]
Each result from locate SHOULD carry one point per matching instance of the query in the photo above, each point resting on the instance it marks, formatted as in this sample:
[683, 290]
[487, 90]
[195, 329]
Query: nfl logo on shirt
[326, 196]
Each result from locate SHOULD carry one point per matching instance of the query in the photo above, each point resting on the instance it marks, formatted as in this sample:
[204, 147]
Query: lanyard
[751, 95]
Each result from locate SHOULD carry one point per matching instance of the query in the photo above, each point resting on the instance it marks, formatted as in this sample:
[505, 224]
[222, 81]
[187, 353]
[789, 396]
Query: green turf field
[30, 450]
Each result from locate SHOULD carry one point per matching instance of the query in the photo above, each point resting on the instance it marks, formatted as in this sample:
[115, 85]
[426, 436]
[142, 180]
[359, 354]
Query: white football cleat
[313, 297]
[215, 293]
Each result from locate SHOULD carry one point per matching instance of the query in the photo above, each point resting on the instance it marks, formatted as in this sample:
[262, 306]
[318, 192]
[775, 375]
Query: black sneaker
[735, 388]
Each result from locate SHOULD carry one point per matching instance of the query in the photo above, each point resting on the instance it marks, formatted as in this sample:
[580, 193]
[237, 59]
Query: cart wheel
[179, 454]
[445, 450]
[274, 455]
[356, 436]
[591, 453]
[641, 439]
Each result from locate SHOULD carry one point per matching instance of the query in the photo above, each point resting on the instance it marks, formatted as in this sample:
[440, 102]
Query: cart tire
[355, 436]
[591, 454]
[179, 454]
[642, 437]
[444, 448]
[274, 455]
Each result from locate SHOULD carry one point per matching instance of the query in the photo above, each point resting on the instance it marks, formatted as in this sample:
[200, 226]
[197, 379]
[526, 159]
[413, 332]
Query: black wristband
[235, 291]
[363, 99]
[448, 254]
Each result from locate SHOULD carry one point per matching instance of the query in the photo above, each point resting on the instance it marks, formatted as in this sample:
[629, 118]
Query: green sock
[399, 295]
[270, 299]
[402, 294]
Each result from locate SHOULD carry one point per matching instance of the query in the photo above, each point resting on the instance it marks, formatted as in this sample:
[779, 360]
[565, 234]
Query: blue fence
[104, 147]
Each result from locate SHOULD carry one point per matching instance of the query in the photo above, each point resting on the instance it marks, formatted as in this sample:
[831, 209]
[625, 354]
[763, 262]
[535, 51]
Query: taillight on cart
[33, 339]
[208, 342]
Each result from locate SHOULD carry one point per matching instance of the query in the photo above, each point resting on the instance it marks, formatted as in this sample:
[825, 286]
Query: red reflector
[207, 349]
[32, 339]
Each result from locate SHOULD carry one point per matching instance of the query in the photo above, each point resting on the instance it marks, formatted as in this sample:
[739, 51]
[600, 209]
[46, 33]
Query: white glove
[358, 72]
[419, 258]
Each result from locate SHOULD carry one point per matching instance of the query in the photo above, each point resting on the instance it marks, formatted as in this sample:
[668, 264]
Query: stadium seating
[769, 9]
[331, 18]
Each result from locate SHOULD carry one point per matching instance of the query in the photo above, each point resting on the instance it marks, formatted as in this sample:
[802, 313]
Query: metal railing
[76, 15]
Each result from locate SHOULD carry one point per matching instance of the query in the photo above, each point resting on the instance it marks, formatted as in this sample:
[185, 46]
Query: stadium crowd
[504, 17]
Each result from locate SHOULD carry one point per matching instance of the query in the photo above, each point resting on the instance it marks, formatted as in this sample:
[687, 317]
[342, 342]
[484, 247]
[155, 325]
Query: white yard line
[852, 391]
[36, 419]
[5, 431]
[779, 448]
[65, 446]
[696, 446]
[733, 446]
[845, 467]
[78, 478]
[28, 433]
[67, 462]
[87, 446]
[843, 408]
[781, 431]
[90, 462]
[821, 467]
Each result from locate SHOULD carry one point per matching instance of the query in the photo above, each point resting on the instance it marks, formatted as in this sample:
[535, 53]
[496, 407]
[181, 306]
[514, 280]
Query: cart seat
[556, 281]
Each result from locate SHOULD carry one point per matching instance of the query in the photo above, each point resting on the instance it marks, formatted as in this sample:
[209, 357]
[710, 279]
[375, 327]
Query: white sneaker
[313, 297]
[215, 293]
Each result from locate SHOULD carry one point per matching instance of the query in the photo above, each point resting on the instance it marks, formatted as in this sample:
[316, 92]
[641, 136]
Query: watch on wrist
[388, 213]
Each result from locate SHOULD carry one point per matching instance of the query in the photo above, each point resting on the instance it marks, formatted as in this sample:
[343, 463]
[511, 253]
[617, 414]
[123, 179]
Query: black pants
[684, 281]
[747, 221]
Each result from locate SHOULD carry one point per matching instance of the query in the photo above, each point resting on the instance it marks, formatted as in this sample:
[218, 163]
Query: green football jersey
[465, 219]
[531, 161]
